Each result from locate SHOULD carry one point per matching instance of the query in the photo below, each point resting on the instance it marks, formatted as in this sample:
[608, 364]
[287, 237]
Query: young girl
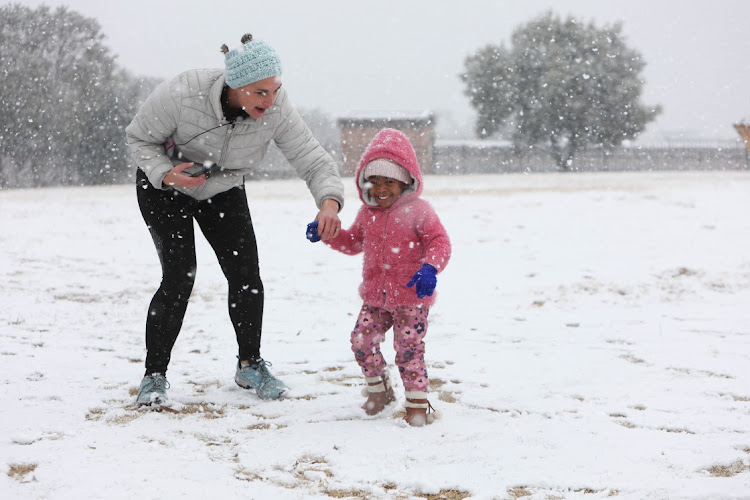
[405, 246]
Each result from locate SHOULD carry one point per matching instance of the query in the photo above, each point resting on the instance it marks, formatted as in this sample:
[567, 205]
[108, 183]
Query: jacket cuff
[337, 198]
[156, 176]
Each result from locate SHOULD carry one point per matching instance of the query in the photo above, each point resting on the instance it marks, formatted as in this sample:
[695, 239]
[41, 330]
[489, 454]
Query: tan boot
[419, 411]
[379, 393]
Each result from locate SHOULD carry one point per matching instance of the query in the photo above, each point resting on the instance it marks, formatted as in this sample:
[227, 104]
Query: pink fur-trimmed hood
[397, 240]
[393, 145]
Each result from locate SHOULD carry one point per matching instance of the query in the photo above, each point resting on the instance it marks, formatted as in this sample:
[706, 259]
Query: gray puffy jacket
[188, 109]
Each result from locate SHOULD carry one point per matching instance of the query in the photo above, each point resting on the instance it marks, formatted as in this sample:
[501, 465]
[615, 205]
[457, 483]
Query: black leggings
[226, 224]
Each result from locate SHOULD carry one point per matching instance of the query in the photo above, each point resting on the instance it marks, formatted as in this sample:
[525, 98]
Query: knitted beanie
[387, 168]
[254, 60]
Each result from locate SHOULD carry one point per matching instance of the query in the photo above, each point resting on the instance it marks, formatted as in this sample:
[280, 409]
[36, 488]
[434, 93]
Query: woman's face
[385, 190]
[256, 97]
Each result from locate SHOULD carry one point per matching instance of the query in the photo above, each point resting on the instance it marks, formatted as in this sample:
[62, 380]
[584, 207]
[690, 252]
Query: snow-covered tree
[107, 147]
[562, 84]
[63, 102]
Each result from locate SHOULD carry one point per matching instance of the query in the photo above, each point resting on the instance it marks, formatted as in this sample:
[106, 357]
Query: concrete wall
[473, 157]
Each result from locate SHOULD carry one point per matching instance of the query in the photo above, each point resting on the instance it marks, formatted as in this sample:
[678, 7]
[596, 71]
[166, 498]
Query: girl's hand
[175, 177]
[329, 225]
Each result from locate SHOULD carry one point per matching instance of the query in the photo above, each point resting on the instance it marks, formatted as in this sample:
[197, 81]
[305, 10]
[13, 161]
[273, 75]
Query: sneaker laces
[158, 383]
[261, 366]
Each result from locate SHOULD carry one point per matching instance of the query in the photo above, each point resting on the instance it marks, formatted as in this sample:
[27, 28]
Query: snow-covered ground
[591, 340]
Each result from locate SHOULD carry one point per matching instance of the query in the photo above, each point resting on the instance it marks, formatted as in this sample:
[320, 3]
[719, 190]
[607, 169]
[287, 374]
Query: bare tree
[63, 102]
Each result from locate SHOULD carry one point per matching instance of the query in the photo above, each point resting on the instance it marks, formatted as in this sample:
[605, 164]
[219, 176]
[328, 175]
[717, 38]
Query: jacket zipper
[384, 239]
[223, 154]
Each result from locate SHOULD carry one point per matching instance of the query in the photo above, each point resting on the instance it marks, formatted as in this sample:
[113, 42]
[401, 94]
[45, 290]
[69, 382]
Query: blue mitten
[425, 280]
[312, 232]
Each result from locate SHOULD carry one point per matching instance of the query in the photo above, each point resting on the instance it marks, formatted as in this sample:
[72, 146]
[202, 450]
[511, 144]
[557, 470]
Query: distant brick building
[744, 130]
[357, 132]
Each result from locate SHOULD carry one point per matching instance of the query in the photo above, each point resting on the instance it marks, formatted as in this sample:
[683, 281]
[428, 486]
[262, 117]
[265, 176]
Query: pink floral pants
[409, 328]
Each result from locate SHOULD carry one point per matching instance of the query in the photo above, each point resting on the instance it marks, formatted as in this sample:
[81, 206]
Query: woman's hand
[175, 177]
[329, 225]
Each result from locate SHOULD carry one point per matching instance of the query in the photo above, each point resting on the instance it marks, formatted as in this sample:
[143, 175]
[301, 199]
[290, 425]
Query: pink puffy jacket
[396, 241]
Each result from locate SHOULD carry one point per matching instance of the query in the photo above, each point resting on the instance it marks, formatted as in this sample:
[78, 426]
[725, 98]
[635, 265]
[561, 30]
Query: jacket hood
[392, 145]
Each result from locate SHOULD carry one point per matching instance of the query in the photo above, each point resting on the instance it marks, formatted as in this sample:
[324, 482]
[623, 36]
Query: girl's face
[256, 97]
[385, 190]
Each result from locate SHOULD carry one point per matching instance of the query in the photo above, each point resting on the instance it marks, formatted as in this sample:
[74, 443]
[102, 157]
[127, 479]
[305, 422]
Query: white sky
[345, 57]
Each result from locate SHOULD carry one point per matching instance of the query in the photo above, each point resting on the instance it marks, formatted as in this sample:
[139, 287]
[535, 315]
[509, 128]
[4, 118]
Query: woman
[193, 140]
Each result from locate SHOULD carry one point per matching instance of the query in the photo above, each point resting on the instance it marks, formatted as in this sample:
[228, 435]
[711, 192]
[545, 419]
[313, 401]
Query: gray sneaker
[153, 390]
[256, 376]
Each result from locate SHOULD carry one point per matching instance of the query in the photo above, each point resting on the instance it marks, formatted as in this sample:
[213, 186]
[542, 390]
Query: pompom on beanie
[254, 60]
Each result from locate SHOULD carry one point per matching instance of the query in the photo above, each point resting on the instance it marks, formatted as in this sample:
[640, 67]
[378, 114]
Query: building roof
[383, 118]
